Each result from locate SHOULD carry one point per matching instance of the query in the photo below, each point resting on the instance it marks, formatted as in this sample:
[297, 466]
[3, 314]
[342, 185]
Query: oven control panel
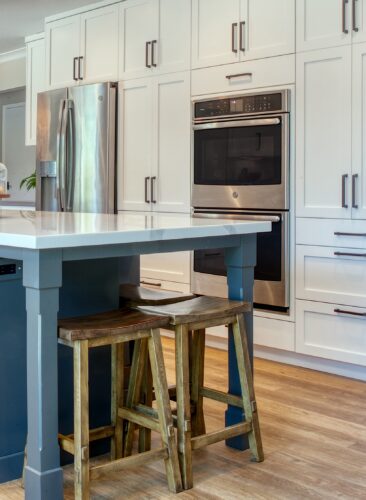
[242, 105]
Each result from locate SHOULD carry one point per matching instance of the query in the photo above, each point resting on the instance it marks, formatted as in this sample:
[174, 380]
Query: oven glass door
[244, 153]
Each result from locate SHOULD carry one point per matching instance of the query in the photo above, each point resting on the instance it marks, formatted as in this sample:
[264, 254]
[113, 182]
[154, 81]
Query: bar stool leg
[117, 399]
[81, 419]
[247, 388]
[183, 404]
[164, 411]
[147, 390]
[134, 388]
[197, 382]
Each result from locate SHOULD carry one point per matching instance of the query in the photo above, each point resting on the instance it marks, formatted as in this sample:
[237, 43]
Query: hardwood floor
[314, 436]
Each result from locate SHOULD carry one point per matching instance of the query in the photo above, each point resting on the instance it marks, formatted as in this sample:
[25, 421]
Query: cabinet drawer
[325, 232]
[325, 275]
[166, 267]
[165, 285]
[251, 74]
[323, 332]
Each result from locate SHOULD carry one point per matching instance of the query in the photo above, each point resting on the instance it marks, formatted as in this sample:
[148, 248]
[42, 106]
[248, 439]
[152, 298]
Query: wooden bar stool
[115, 328]
[196, 315]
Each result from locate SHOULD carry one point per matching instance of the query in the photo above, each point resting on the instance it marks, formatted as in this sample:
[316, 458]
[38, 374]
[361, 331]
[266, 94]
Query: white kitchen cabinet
[331, 331]
[35, 83]
[323, 133]
[135, 144]
[358, 131]
[331, 274]
[155, 37]
[268, 28]
[359, 21]
[322, 23]
[62, 51]
[154, 152]
[82, 48]
[165, 267]
[99, 44]
[237, 30]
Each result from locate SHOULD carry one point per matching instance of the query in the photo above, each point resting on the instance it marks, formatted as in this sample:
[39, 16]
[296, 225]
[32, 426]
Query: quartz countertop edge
[51, 230]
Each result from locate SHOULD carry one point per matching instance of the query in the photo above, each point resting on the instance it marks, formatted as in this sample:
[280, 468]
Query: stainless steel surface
[75, 61]
[48, 169]
[238, 75]
[147, 179]
[354, 180]
[349, 254]
[76, 130]
[354, 22]
[337, 233]
[153, 53]
[344, 29]
[242, 37]
[81, 68]
[344, 182]
[153, 199]
[351, 313]
[270, 293]
[248, 197]
[234, 27]
[147, 57]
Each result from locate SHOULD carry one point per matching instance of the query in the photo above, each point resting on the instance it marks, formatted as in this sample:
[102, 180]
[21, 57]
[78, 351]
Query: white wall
[12, 70]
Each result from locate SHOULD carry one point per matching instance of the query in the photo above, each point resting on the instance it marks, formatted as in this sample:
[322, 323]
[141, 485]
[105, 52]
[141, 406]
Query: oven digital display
[250, 104]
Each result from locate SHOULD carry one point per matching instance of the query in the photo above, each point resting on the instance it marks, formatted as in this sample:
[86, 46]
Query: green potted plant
[29, 182]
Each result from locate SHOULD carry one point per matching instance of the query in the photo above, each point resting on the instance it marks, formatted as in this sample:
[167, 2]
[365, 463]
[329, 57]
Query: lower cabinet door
[331, 331]
[160, 267]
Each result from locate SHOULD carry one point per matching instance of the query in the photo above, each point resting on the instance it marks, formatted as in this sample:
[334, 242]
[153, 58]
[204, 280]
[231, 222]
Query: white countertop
[42, 230]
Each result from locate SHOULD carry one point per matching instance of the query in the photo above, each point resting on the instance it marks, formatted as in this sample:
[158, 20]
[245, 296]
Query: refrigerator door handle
[70, 151]
[61, 143]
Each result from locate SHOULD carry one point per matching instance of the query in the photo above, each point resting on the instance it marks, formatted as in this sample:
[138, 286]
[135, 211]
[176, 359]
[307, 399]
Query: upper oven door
[242, 163]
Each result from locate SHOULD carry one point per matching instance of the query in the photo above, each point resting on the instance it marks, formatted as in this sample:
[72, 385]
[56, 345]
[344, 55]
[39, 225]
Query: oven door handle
[258, 218]
[238, 123]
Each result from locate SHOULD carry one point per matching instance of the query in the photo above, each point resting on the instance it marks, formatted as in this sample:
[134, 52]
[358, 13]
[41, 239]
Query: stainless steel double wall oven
[241, 171]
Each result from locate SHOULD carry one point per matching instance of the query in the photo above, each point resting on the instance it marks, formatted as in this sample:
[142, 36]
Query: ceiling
[19, 18]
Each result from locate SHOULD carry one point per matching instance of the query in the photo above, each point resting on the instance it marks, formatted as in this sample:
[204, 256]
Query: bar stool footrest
[67, 442]
[139, 418]
[221, 397]
[221, 435]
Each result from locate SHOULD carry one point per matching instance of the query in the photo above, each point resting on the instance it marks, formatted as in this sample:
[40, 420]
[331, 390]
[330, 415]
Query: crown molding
[13, 55]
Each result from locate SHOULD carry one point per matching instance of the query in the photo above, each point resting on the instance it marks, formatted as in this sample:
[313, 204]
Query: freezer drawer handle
[338, 233]
[351, 313]
[349, 254]
[146, 183]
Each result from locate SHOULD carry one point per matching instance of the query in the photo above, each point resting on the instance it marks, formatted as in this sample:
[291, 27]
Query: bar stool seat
[116, 328]
[196, 315]
[135, 295]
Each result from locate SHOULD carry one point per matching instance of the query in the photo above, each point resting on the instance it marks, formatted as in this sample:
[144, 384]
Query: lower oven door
[271, 274]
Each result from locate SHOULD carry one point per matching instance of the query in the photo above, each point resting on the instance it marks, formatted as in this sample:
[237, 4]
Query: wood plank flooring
[314, 436]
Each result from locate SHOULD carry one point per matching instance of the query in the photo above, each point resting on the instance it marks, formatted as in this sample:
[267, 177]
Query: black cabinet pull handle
[153, 47]
[81, 73]
[146, 183]
[238, 75]
[234, 27]
[354, 25]
[344, 180]
[74, 69]
[242, 36]
[354, 179]
[350, 254]
[351, 313]
[153, 200]
[147, 63]
[344, 29]
[338, 233]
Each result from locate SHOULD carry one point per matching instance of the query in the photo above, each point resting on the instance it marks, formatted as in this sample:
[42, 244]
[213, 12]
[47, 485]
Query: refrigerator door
[90, 151]
[50, 113]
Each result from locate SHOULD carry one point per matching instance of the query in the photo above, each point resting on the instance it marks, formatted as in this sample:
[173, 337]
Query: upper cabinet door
[267, 28]
[99, 45]
[35, 83]
[171, 182]
[135, 145]
[323, 133]
[62, 51]
[359, 131]
[172, 50]
[215, 32]
[323, 23]
[139, 28]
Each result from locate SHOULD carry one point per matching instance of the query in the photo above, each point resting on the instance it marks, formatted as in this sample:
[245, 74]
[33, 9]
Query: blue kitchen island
[72, 264]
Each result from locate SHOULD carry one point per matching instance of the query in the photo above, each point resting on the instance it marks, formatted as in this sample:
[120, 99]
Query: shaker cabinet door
[323, 133]
[215, 32]
[99, 44]
[62, 46]
[171, 180]
[267, 28]
[323, 23]
[135, 145]
[138, 27]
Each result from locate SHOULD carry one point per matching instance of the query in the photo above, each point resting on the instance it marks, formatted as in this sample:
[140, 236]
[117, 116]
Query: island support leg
[240, 262]
[42, 278]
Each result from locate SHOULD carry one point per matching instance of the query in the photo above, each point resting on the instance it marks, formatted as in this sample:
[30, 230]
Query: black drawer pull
[349, 254]
[351, 313]
[337, 233]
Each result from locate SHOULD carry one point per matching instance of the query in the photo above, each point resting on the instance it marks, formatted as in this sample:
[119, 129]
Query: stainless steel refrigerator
[76, 149]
